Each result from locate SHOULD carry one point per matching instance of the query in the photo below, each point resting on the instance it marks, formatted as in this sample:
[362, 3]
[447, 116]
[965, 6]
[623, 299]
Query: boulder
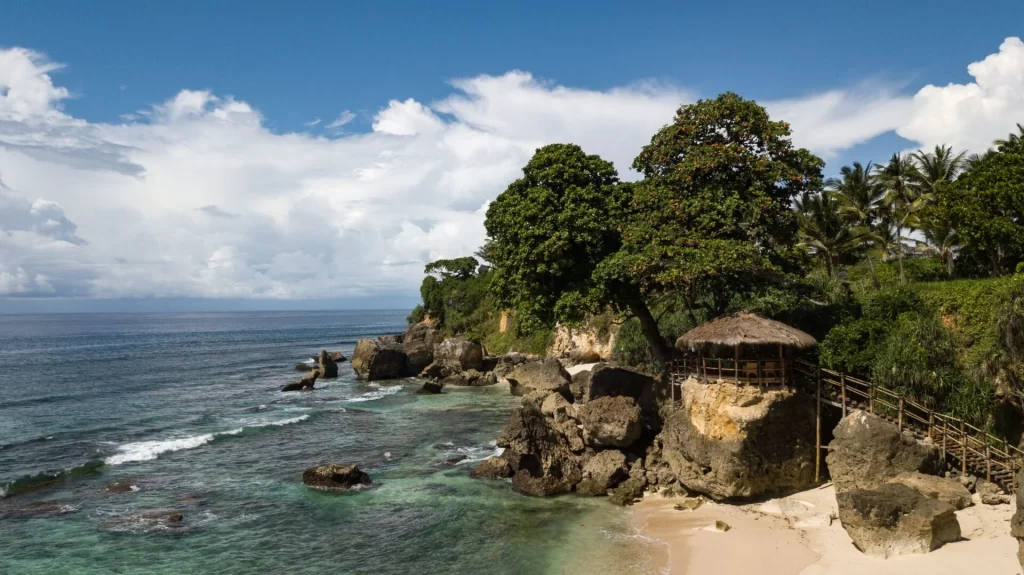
[459, 354]
[506, 363]
[490, 363]
[868, 451]
[547, 375]
[894, 519]
[990, 494]
[948, 490]
[604, 380]
[1017, 522]
[430, 388]
[492, 468]
[627, 492]
[538, 454]
[729, 441]
[610, 421]
[434, 371]
[602, 472]
[337, 357]
[418, 344]
[304, 367]
[375, 359]
[328, 369]
[390, 339]
[571, 432]
[555, 406]
[336, 477]
[304, 384]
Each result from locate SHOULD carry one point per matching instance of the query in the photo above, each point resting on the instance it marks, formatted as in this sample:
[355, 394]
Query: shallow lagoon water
[185, 408]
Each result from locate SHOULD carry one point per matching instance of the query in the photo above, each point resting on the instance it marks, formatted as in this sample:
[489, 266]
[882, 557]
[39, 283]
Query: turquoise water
[185, 408]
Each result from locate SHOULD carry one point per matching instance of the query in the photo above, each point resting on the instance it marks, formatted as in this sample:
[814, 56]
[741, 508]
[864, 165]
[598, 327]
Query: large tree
[549, 231]
[713, 215]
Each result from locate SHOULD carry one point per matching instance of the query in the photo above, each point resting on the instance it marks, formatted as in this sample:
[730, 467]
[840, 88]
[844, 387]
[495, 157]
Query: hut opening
[741, 348]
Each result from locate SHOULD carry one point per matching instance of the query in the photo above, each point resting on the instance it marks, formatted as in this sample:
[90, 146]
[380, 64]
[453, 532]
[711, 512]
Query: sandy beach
[797, 535]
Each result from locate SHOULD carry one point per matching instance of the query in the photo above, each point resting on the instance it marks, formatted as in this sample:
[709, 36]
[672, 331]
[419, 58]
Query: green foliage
[632, 348]
[712, 215]
[918, 357]
[460, 268]
[459, 299]
[549, 230]
[967, 305]
[416, 315]
[496, 342]
[887, 305]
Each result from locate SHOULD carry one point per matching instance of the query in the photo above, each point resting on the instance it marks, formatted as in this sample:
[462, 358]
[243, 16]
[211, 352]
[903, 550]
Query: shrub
[416, 315]
[851, 347]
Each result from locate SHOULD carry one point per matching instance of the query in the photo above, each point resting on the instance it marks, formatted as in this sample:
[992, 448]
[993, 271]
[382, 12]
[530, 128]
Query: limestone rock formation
[1017, 522]
[729, 441]
[304, 384]
[990, 494]
[948, 490]
[336, 477]
[547, 375]
[556, 406]
[492, 468]
[896, 520]
[503, 365]
[602, 472]
[611, 421]
[538, 454]
[868, 451]
[328, 369]
[459, 354]
[379, 359]
[418, 343]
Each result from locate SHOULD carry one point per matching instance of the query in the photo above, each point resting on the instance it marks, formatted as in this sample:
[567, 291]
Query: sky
[228, 155]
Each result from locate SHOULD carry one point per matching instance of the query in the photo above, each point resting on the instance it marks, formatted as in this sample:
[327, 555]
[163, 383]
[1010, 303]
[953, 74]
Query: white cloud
[970, 116]
[312, 123]
[342, 119]
[196, 197]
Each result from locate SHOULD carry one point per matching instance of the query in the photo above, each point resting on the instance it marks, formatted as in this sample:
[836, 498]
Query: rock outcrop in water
[558, 443]
[868, 451]
[380, 358]
[304, 384]
[896, 520]
[418, 344]
[336, 477]
[730, 441]
[328, 369]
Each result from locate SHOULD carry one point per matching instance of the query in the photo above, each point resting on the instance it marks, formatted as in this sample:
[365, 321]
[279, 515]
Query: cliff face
[593, 341]
[731, 441]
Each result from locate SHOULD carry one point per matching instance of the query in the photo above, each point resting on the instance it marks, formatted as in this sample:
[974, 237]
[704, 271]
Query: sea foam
[374, 395]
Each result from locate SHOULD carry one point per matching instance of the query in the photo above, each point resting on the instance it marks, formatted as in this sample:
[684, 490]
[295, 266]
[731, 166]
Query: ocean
[185, 409]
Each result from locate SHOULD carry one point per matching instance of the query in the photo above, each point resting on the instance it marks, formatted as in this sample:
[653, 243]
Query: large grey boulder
[1017, 522]
[459, 354]
[538, 455]
[868, 451]
[896, 520]
[602, 472]
[418, 343]
[941, 488]
[729, 441]
[375, 359]
[611, 421]
[605, 380]
[547, 375]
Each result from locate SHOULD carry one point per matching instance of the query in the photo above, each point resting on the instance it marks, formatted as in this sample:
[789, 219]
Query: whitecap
[150, 450]
[373, 395]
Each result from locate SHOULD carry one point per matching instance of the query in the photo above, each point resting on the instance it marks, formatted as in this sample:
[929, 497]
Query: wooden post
[817, 431]
[945, 432]
[988, 462]
[963, 449]
[736, 365]
[899, 416]
[931, 422]
[842, 387]
[871, 398]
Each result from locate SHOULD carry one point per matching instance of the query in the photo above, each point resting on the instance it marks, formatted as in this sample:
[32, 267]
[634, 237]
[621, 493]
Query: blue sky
[253, 77]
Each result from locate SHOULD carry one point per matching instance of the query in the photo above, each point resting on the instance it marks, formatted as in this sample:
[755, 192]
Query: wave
[475, 454]
[150, 450]
[374, 395]
[28, 483]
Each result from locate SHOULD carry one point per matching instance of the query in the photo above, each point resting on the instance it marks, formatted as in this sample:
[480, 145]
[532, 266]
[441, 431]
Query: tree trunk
[874, 275]
[649, 327]
[899, 254]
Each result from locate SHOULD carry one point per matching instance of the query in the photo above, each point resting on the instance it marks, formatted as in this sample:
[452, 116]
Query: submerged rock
[120, 487]
[374, 359]
[868, 451]
[336, 477]
[304, 384]
[731, 441]
[896, 520]
[430, 388]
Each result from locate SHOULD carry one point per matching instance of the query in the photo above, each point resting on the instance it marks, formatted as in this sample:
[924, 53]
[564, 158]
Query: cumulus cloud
[196, 197]
[970, 116]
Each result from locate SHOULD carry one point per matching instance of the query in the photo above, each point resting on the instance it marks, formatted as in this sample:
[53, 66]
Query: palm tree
[942, 238]
[934, 169]
[860, 198]
[903, 198]
[1013, 141]
[825, 231]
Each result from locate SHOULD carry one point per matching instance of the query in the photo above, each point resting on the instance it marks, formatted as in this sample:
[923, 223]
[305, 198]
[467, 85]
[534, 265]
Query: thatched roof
[745, 328]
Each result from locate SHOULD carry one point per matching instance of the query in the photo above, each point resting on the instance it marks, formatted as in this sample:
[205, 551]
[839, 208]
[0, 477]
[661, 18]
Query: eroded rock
[459, 354]
[948, 490]
[418, 343]
[304, 384]
[868, 451]
[336, 477]
[896, 520]
[547, 375]
[327, 368]
[611, 421]
[375, 359]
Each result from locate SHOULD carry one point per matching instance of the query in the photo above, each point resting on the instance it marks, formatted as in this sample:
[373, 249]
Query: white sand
[579, 368]
[796, 535]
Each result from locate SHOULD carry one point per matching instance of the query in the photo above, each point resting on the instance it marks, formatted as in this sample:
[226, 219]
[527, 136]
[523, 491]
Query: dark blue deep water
[186, 409]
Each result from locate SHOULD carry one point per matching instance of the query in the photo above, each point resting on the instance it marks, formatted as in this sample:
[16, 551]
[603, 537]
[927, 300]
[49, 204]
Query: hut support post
[736, 365]
[899, 416]
[931, 422]
[842, 388]
[963, 450]
[871, 398]
[817, 431]
[988, 462]
[945, 432]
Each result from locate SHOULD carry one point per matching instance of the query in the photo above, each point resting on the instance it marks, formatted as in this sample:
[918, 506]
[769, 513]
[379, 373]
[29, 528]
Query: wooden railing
[963, 446]
[743, 372]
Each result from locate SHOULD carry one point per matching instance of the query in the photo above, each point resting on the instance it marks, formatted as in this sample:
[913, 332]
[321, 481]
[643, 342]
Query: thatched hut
[742, 348]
